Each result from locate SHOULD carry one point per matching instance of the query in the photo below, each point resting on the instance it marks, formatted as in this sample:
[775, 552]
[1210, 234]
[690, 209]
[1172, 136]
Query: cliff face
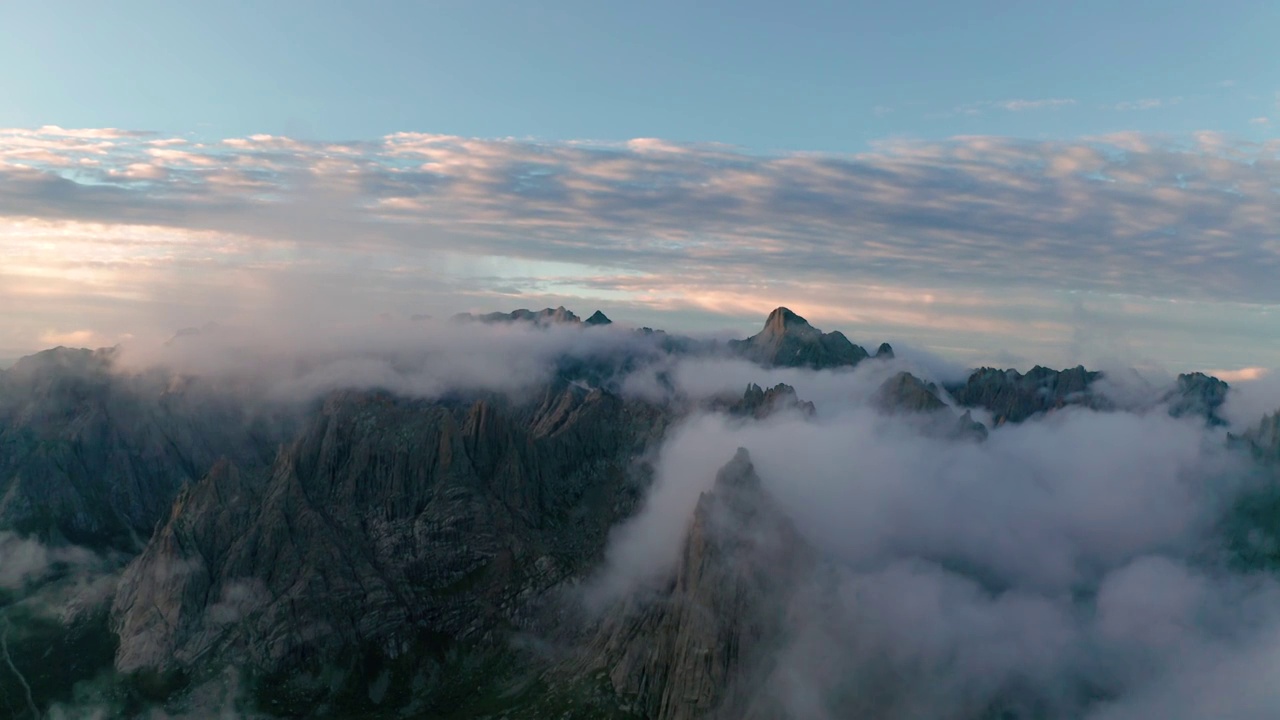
[697, 649]
[1011, 396]
[379, 556]
[96, 458]
[389, 524]
[1199, 395]
[788, 340]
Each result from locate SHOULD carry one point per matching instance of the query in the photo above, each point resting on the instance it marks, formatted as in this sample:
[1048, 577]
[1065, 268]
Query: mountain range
[177, 545]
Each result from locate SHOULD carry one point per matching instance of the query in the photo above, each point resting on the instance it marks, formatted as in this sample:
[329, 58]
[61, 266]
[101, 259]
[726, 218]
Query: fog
[411, 357]
[1072, 564]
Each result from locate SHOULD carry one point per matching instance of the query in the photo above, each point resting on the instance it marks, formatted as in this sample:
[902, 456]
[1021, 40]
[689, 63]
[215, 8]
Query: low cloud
[25, 561]
[1067, 563]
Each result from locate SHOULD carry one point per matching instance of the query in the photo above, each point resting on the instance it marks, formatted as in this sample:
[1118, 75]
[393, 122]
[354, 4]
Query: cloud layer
[1005, 237]
[1067, 567]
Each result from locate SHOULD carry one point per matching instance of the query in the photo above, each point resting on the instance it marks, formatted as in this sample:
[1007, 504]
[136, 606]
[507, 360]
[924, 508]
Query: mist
[1072, 564]
[421, 358]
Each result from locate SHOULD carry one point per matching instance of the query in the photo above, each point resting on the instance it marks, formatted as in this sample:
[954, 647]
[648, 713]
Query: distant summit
[547, 316]
[598, 318]
[788, 340]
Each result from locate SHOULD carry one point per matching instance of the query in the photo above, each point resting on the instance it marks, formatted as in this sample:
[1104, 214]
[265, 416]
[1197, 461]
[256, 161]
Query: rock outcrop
[598, 318]
[905, 393]
[1011, 396]
[700, 648]
[788, 340]
[759, 403]
[1199, 395]
[96, 457]
[401, 526]
[546, 316]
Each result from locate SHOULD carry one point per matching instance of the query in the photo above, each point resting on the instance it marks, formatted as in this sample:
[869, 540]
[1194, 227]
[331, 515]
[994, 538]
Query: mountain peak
[738, 472]
[598, 318]
[781, 319]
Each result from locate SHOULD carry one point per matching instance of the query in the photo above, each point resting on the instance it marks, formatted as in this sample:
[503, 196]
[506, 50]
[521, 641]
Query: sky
[997, 182]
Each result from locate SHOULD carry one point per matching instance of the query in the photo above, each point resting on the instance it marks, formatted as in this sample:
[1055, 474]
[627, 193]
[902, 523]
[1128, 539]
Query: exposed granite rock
[1262, 440]
[1200, 395]
[547, 316]
[905, 392]
[885, 351]
[389, 524]
[788, 340]
[760, 403]
[598, 318]
[908, 394]
[700, 648]
[1011, 396]
[96, 457]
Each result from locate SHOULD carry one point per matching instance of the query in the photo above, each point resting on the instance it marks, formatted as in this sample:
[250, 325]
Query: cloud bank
[1067, 567]
[111, 232]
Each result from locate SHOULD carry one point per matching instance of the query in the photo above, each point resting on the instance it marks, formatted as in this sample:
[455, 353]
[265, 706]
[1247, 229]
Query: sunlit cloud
[995, 237]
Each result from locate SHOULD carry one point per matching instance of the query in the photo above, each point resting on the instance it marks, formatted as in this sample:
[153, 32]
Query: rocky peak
[788, 340]
[1014, 397]
[783, 320]
[701, 648]
[546, 316]
[760, 403]
[1198, 394]
[598, 318]
[885, 351]
[905, 392]
[1263, 440]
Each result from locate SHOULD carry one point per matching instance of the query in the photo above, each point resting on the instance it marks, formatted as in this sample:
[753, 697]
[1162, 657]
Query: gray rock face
[95, 457]
[788, 340]
[1199, 395]
[598, 318]
[547, 316]
[759, 403]
[388, 523]
[700, 648]
[905, 393]
[1263, 440]
[1014, 397]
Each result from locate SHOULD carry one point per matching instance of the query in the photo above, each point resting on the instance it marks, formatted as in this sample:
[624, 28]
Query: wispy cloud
[1147, 104]
[1015, 105]
[102, 226]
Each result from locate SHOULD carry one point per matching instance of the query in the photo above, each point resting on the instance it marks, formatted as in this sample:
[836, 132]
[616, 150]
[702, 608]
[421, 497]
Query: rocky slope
[700, 646]
[1011, 396]
[404, 527]
[380, 556]
[788, 340]
[95, 458]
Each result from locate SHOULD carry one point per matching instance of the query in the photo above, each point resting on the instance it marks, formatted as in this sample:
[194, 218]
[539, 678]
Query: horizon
[991, 193]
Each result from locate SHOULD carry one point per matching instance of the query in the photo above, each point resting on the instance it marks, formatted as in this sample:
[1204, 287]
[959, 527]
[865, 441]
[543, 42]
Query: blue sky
[999, 182]
[829, 76]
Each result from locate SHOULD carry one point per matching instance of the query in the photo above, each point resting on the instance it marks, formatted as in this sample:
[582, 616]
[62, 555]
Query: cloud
[1017, 105]
[987, 227]
[1260, 121]
[1147, 104]
[1067, 564]
[23, 560]
[415, 358]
